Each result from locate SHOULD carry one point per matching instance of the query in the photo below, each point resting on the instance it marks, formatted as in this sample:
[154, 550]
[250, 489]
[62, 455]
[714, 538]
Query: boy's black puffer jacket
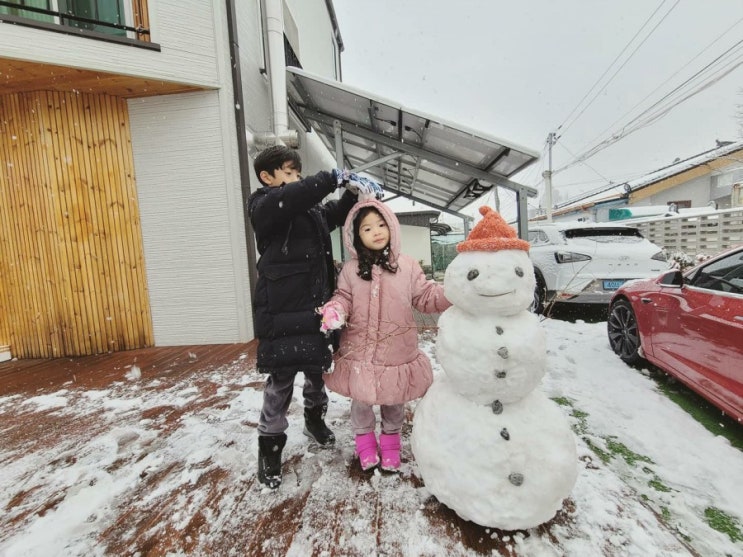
[295, 271]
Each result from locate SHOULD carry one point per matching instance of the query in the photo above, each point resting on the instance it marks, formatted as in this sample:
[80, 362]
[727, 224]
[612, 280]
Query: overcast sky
[520, 70]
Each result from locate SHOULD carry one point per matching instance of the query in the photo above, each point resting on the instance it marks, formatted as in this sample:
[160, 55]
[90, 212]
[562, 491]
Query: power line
[650, 17]
[684, 66]
[637, 123]
[585, 163]
[735, 63]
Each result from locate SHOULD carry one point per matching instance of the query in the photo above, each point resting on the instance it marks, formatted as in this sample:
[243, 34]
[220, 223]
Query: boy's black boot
[314, 425]
[269, 459]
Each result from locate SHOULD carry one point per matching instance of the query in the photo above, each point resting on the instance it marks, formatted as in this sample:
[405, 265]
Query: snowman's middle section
[491, 357]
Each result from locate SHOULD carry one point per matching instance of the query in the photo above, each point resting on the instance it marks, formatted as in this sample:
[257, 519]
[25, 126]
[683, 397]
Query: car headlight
[570, 257]
[660, 256]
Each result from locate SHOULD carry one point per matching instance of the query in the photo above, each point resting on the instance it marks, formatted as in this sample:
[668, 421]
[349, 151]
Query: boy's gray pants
[277, 395]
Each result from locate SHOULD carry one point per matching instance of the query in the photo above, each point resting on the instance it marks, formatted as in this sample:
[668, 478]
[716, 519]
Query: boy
[296, 274]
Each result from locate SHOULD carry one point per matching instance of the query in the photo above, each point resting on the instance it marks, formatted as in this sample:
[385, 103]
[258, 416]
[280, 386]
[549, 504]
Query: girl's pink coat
[379, 361]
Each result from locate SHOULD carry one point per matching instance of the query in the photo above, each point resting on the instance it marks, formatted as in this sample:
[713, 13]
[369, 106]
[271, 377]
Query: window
[108, 11]
[725, 275]
[262, 66]
[114, 18]
[676, 205]
[290, 57]
[21, 12]
[538, 237]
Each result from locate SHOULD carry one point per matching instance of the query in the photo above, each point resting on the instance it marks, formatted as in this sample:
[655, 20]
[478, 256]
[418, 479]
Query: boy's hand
[358, 185]
[364, 187]
[332, 317]
[341, 176]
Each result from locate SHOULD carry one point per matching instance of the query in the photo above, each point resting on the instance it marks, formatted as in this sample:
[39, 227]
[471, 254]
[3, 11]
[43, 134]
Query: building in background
[704, 182]
[126, 130]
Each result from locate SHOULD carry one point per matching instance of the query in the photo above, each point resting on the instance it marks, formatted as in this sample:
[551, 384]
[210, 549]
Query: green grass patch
[581, 427]
[723, 522]
[601, 453]
[666, 514]
[702, 411]
[628, 455]
[658, 485]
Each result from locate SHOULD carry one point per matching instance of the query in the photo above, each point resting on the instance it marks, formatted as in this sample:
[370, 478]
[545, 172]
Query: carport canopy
[418, 156]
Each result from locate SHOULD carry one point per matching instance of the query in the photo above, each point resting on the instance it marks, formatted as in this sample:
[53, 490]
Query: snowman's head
[492, 273]
[483, 282]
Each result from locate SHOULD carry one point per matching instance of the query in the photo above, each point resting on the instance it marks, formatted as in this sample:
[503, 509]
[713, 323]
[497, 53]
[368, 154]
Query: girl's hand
[332, 317]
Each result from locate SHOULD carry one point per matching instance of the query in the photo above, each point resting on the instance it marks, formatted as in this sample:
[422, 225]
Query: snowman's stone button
[516, 478]
[499, 330]
[504, 433]
[496, 406]
[503, 352]
[500, 374]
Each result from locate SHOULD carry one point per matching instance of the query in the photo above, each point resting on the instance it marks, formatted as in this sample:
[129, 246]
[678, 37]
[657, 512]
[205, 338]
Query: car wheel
[540, 293]
[624, 336]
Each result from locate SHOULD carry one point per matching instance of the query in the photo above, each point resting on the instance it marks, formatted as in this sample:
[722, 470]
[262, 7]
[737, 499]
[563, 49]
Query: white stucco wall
[192, 222]
[697, 191]
[253, 67]
[416, 242]
[318, 50]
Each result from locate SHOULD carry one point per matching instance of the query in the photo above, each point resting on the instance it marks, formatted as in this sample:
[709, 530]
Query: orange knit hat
[492, 233]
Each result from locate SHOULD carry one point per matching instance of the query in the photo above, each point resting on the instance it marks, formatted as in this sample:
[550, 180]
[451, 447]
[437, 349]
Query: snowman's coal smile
[497, 295]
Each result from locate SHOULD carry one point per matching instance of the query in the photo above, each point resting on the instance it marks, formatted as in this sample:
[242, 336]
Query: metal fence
[705, 234]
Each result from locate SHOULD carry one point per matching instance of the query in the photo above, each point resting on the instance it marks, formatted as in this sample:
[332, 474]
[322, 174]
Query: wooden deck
[94, 372]
[223, 511]
[166, 452]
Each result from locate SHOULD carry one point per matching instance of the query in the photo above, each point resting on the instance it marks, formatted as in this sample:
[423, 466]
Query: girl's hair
[367, 257]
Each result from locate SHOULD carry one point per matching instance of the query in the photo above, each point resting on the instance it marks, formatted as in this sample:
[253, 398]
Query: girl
[378, 361]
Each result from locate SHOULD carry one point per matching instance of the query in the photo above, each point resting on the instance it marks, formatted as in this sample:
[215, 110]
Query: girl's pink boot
[366, 448]
[389, 446]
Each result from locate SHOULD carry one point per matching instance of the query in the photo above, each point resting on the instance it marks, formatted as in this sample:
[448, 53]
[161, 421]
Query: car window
[613, 235]
[538, 237]
[724, 275]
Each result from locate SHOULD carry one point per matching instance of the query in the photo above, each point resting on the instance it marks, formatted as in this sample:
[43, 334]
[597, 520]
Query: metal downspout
[277, 65]
[242, 146]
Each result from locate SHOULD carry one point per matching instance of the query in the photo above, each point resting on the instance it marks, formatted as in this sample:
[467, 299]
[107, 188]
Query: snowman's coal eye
[473, 274]
[519, 272]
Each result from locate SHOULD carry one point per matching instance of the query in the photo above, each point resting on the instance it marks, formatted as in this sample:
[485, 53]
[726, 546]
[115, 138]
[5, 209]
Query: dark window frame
[67, 29]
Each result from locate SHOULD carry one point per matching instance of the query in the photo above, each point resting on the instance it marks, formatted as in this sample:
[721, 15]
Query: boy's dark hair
[368, 258]
[273, 158]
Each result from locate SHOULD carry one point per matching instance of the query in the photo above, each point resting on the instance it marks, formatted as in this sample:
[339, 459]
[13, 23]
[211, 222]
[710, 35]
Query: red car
[690, 325]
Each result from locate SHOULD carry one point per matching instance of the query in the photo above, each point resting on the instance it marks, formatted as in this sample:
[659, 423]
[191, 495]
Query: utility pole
[547, 175]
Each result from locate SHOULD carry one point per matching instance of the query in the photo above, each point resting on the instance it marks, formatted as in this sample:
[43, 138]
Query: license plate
[613, 284]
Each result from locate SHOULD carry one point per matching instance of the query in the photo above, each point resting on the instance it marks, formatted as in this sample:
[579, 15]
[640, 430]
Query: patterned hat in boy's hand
[364, 187]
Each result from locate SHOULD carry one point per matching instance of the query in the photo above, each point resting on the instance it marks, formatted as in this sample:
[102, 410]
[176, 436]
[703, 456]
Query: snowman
[487, 444]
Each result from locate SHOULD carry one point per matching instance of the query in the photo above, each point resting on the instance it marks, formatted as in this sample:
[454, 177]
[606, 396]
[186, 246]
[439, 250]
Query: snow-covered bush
[682, 261]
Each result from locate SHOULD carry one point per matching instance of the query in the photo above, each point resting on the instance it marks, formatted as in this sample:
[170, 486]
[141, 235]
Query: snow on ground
[144, 465]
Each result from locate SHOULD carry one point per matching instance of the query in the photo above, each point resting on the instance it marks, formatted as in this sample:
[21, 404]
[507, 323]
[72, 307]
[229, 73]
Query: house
[126, 136]
[124, 141]
[416, 228]
[706, 181]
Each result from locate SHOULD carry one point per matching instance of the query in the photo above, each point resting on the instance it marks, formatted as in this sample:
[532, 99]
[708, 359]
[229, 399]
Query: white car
[585, 263]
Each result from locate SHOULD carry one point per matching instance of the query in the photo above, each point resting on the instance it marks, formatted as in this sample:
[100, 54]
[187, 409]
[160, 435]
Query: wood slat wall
[72, 278]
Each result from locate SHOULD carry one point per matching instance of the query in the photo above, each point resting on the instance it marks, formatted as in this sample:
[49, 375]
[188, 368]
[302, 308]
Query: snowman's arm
[428, 295]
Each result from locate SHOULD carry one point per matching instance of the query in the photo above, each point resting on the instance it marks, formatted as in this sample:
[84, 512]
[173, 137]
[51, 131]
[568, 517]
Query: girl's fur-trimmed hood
[392, 223]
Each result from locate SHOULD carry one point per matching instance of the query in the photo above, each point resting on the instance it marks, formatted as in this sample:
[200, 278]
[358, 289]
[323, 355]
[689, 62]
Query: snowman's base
[485, 540]
[509, 470]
